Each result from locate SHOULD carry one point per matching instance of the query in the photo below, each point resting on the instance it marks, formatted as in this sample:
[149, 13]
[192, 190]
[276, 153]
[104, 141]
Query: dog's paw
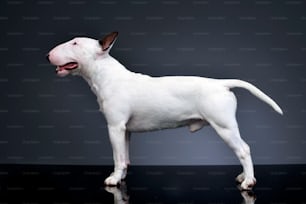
[124, 173]
[240, 178]
[112, 180]
[248, 184]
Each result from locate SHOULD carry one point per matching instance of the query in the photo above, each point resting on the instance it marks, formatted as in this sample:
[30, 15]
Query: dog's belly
[149, 125]
[143, 124]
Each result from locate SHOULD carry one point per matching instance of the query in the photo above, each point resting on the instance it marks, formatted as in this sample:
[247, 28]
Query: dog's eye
[74, 43]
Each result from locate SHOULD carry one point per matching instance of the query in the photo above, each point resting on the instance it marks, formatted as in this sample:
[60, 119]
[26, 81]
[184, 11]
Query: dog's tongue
[68, 66]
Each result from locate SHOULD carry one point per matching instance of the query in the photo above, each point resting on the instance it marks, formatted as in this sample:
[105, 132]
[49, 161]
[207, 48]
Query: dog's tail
[232, 83]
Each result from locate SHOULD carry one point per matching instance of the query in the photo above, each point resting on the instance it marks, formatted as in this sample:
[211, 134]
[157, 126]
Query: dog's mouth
[68, 66]
[64, 70]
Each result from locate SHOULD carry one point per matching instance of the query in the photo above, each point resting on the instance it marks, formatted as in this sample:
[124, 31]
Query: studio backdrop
[45, 119]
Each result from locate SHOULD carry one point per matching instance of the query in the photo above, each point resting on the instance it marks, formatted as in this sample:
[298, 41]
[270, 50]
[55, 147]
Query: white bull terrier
[133, 102]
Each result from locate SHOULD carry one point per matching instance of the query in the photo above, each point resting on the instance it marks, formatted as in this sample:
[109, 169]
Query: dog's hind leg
[232, 137]
[222, 118]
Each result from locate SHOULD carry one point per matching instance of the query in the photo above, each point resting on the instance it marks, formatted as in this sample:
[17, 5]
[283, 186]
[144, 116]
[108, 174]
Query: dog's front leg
[127, 149]
[118, 141]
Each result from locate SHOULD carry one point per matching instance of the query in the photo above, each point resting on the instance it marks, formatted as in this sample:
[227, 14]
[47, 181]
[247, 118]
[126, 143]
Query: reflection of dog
[134, 102]
[121, 194]
[248, 197]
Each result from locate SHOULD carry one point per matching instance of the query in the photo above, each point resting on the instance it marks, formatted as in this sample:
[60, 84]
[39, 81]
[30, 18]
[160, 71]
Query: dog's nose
[47, 57]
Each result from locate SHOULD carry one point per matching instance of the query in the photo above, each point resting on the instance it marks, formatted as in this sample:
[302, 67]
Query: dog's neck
[104, 72]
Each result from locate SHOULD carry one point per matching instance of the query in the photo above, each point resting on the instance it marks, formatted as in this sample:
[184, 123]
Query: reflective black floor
[150, 184]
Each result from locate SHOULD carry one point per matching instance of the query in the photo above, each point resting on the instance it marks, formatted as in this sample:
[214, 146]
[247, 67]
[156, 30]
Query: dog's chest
[95, 89]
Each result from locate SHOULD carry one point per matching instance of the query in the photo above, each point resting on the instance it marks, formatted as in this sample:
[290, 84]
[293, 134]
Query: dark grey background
[51, 120]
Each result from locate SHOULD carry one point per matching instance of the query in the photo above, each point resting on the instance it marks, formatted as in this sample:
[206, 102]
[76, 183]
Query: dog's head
[74, 55]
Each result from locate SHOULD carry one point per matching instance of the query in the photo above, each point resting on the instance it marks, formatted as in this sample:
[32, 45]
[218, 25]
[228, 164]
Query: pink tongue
[70, 65]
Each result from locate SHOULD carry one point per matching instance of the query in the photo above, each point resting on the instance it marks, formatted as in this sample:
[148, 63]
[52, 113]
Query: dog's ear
[108, 41]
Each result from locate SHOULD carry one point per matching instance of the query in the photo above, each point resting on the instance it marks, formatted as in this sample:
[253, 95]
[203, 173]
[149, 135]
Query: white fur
[134, 102]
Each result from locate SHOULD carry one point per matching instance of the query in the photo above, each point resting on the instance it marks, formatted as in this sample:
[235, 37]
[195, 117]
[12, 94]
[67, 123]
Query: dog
[135, 102]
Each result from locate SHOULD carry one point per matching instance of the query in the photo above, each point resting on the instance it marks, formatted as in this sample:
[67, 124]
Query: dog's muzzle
[63, 70]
